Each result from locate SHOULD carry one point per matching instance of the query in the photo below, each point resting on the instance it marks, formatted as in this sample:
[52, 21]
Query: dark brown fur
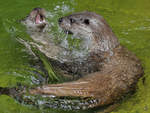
[116, 69]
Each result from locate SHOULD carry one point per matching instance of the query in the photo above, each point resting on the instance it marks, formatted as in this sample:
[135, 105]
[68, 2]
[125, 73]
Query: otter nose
[60, 20]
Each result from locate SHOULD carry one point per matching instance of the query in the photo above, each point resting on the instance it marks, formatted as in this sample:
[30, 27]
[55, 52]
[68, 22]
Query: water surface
[129, 19]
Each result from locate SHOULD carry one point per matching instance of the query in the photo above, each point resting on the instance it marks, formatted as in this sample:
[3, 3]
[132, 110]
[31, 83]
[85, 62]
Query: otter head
[36, 19]
[91, 27]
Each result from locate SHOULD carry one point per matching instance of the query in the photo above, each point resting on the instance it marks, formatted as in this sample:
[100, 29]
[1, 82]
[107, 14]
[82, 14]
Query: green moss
[129, 20]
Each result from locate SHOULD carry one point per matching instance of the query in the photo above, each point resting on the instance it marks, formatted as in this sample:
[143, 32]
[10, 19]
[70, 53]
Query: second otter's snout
[65, 24]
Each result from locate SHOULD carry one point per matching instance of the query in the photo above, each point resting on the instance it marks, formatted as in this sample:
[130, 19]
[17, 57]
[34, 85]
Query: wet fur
[116, 70]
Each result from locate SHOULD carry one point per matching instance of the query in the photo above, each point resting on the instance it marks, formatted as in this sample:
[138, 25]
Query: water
[130, 20]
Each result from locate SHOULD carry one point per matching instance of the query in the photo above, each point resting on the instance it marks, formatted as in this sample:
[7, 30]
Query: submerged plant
[52, 76]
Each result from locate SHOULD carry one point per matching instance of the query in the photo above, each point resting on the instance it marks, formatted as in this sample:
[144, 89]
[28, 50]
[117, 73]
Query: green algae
[130, 20]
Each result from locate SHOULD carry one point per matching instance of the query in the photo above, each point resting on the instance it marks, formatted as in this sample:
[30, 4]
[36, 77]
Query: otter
[108, 70]
[39, 30]
[74, 62]
[111, 71]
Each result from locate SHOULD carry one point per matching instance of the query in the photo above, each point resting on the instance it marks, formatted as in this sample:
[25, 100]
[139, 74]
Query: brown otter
[69, 62]
[111, 70]
[39, 30]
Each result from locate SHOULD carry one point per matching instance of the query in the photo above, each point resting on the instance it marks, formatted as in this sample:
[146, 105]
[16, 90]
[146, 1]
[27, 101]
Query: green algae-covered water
[129, 19]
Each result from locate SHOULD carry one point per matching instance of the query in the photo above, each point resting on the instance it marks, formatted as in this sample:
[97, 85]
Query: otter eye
[86, 21]
[72, 20]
